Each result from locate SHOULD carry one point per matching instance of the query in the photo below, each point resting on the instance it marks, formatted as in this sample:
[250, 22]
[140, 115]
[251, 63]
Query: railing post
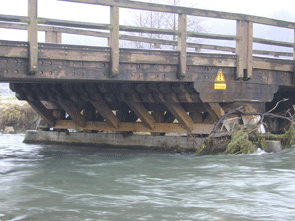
[182, 22]
[244, 49]
[33, 36]
[157, 45]
[114, 41]
[53, 37]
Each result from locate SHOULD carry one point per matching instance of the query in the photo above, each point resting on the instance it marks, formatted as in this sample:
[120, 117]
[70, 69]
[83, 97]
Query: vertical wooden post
[244, 49]
[53, 37]
[114, 41]
[33, 36]
[157, 45]
[182, 22]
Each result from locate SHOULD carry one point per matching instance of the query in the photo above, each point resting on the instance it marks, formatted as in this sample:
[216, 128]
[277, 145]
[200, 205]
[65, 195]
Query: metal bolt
[34, 67]
[5, 71]
[16, 72]
[5, 61]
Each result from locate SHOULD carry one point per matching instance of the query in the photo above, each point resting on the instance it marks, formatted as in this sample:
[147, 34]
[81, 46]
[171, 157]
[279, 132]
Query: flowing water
[44, 182]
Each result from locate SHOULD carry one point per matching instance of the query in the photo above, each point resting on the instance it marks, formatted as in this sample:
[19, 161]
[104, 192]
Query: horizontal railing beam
[213, 36]
[188, 11]
[74, 24]
[272, 42]
[122, 37]
[14, 18]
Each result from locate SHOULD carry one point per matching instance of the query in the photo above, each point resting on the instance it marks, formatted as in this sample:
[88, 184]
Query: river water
[44, 182]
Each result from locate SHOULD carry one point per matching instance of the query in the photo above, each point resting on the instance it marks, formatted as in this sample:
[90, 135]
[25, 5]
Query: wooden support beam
[53, 37]
[244, 50]
[159, 118]
[180, 114]
[33, 36]
[106, 112]
[142, 113]
[114, 41]
[196, 117]
[215, 110]
[73, 112]
[43, 112]
[182, 23]
[136, 127]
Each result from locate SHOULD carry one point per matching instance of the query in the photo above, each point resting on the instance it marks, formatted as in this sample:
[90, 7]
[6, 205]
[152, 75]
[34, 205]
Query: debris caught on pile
[247, 138]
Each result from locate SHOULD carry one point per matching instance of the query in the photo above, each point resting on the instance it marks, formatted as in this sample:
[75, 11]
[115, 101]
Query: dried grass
[18, 114]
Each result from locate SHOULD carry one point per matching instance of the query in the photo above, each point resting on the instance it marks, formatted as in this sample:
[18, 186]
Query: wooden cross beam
[106, 112]
[43, 112]
[142, 113]
[180, 114]
[73, 112]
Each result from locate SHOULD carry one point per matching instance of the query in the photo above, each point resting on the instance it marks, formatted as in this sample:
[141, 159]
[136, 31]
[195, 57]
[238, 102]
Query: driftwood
[246, 140]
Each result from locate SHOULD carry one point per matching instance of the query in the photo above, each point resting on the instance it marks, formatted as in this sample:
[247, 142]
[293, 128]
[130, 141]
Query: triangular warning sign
[220, 76]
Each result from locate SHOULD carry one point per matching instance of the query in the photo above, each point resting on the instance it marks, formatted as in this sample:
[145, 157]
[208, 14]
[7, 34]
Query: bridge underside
[72, 88]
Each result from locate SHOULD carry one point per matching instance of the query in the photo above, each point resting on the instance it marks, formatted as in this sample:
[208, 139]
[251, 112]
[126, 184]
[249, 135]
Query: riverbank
[16, 116]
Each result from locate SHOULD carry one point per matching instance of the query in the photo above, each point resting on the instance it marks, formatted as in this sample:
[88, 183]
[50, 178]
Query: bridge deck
[109, 88]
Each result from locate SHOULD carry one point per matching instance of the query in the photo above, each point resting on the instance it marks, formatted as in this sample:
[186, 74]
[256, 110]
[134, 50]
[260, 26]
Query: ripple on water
[40, 182]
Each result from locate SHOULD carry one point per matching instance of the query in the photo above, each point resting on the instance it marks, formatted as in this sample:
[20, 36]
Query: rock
[273, 146]
[9, 130]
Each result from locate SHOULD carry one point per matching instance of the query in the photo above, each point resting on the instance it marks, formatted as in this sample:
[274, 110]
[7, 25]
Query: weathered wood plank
[272, 42]
[188, 11]
[142, 113]
[182, 23]
[43, 112]
[244, 50]
[33, 36]
[14, 18]
[106, 112]
[73, 112]
[180, 114]
[53, 37]
[136, 127]
[114, 41]
[74, 24]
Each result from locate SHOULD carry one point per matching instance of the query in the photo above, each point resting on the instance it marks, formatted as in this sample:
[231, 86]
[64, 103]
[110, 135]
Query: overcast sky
[283, 9]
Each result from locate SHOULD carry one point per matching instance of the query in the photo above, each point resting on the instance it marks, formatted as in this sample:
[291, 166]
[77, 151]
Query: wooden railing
[244, 37]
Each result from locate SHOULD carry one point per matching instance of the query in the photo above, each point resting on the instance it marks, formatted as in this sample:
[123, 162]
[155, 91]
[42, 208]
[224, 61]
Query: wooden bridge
[126, 89]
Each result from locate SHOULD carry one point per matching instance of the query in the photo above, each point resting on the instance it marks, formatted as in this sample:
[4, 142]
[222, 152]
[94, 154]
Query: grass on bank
[17, 114]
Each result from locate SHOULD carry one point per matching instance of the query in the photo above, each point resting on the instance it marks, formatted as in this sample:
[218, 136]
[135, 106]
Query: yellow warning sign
[220, 76]
[219, 86]
[220, 81]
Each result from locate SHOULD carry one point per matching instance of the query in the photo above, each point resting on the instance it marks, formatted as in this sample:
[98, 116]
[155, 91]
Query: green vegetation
[246, 141]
